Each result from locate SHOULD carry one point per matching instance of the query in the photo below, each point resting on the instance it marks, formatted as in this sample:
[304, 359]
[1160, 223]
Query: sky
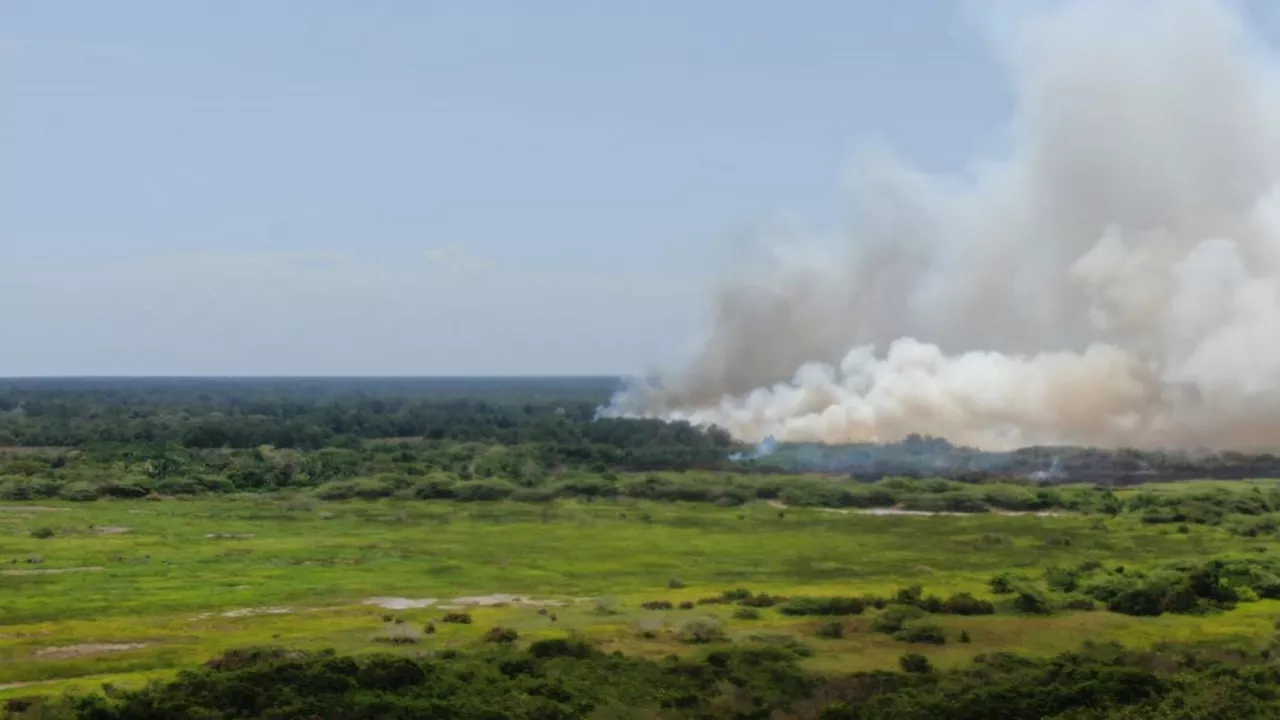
[411, 187]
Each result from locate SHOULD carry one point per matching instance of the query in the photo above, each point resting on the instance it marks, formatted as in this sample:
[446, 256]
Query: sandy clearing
[16, 685]
[112, 530]
[51, 571]
[230, 536]
[29, 508]
[893, 511]
[84, 650]
[460, 603]
[400, 603]
[945, 513]
[250, 612]
[500, 599]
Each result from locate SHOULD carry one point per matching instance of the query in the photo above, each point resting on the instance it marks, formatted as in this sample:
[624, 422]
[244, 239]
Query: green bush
[1032, 601]
[701, 631]
[483, 490]
[501, 635]
[79, 491]
[833, 630]
[1005, 582]
[966, 604]
[915, 664]
[823, 606]
[893, 618]
[921, 632]
[746, 613]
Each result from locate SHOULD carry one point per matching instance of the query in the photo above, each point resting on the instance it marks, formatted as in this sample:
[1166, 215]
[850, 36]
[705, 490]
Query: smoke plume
[1114, 280]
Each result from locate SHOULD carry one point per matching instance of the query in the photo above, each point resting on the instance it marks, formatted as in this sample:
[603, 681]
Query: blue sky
[416, 187]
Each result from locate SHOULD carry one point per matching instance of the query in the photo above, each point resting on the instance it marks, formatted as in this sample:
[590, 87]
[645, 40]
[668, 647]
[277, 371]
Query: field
[119, 591]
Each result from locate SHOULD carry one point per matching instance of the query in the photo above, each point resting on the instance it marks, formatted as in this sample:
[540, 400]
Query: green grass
[167, 583]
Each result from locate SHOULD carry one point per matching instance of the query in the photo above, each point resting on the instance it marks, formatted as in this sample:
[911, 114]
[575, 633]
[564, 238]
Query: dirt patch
[51, 571]
[229, 536]
[399, 603]
[945, 513]
[499, 599]
[15, 686]
[29, 508]
[78, 651]
[111, 529]
[251, 612]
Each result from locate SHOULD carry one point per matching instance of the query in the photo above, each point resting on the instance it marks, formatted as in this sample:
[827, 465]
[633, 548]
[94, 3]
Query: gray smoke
[1113, 281]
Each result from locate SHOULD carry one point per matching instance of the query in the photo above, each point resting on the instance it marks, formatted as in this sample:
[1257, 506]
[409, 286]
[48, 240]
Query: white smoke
[1114, 281]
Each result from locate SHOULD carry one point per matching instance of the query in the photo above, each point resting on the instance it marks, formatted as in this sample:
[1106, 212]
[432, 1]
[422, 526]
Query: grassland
[127, 590]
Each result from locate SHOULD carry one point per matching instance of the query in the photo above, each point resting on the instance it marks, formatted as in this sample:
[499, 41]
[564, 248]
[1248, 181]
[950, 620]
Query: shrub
[675, 583]
[701, 631]
[79, 492]
[605, 606]
[824, 606]
[915, 663]
[1062, 579]
[964, 637]
[1032, 601]
[787, 642]
[762, 600]
[833, 630]
[561, 647]
[1079, 603]
[746, 613]
[909, 595]
[966, 604]
[399, 635]
[483, 490]
[501, 635]
[457, 618]
[876, 602]
[336, 490]
[657, 605]
[1005, 582]
[686, 605]
[648, 629]
[921, 632]
[895, 617]
[42, 533]
[434, 487]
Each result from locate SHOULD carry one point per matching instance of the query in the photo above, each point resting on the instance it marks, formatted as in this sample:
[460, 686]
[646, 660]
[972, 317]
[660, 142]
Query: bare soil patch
[248, 612]
[29, 508]
[68, 652]
[112, 529]
[400, 603]
[500, 599]
[51, 571]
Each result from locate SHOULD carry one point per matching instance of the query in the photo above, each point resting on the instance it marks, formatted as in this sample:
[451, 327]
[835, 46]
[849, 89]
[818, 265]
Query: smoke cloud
[1114, 280]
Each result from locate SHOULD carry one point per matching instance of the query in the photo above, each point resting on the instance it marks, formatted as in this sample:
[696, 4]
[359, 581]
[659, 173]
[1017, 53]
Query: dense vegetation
[569, 679]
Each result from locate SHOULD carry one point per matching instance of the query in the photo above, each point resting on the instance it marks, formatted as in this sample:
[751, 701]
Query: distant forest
[552, 421]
